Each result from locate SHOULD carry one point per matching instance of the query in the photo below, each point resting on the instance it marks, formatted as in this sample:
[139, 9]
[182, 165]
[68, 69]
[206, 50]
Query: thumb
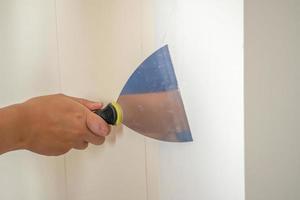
[96, 124]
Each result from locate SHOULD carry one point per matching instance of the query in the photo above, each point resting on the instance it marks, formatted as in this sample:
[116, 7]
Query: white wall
[28, 67]
[272, 91]
[100, 45]
[80, 46]
[206, 41]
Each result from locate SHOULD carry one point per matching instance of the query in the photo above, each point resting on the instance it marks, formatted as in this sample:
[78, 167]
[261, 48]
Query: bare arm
[10, 121]
[51, 125]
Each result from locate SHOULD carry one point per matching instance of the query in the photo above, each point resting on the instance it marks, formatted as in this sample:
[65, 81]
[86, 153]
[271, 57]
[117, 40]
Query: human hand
[54, 124]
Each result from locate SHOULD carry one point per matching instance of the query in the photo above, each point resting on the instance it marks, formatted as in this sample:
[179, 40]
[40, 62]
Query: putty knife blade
[152, 103]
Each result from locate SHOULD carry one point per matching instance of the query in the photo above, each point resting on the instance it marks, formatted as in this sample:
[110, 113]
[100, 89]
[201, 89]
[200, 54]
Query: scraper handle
[112, 114]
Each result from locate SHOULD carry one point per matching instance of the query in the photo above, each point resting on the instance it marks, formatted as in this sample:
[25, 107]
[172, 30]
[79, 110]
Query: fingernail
[96, 129]
[101, 130]
[96, 124]
[104, 130]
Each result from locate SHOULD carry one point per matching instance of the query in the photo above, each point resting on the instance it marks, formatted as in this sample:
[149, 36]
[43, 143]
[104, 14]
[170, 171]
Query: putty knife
[150, 102]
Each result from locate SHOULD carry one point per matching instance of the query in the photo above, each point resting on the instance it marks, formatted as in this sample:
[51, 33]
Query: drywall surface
[272, 96]
[86, 49]
[28, 67]
[89, 49]
[206, 43]
[100, 45]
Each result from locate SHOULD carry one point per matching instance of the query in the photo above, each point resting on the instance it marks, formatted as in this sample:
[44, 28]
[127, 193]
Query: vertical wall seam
[60, 90]
[142, 55]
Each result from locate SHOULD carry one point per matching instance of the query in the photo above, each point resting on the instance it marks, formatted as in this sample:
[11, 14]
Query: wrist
[12, 134]
[23, 122]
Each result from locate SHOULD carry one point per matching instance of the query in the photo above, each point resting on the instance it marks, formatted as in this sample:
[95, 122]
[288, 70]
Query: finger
[90, 137]
[97, 125]
[93, 139]
[91, 105]
[81, 145]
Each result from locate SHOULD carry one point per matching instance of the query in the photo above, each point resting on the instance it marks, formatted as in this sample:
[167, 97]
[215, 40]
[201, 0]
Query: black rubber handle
[109, 114]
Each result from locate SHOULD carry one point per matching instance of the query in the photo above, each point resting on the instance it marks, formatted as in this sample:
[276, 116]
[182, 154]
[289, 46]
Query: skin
[51, 125]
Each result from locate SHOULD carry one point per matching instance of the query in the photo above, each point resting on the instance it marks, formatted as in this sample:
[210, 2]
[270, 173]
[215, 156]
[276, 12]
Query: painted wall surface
[101, 44]
[206, 41]
[28, 67]
[86, 49]
[76, 47]
[272, 96]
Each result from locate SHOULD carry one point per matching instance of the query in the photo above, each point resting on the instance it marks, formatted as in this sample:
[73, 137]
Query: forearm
[11, 128]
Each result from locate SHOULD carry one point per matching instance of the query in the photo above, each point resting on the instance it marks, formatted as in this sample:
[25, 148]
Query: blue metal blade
[151, 102]
[155, 74]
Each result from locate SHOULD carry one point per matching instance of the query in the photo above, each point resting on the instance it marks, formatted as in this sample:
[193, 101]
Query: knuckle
[65, 151]
[82, 146]
[61, 151]
[79, 132]
[79, 116]
[100, 140]
[86, 145]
